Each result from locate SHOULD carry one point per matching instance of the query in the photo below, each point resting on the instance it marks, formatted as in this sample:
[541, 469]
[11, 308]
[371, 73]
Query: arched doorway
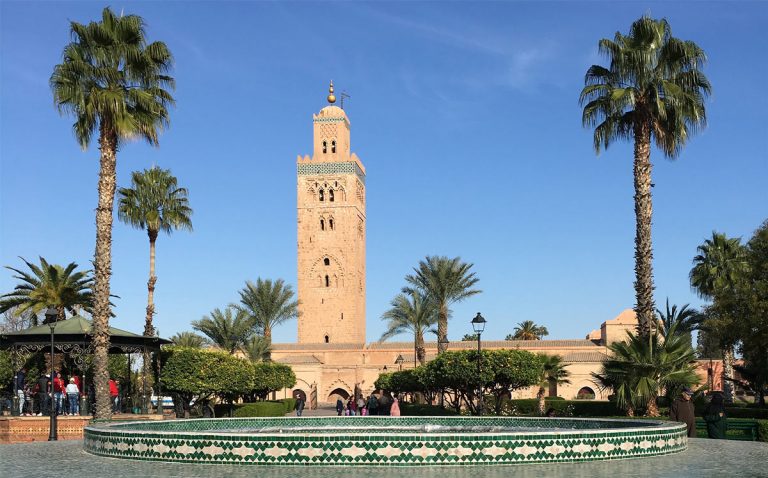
[336, 394]
[585, 393]
[299, 394]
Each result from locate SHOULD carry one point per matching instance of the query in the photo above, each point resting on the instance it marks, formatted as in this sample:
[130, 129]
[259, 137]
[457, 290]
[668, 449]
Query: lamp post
[399, 361]
[50, 316]
[478, 325]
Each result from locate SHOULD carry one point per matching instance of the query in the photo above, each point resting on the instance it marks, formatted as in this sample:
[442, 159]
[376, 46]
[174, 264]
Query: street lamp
[399, 361]
[478, 325]
[50, 316]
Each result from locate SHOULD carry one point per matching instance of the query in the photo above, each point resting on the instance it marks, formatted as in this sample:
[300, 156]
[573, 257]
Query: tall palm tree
[411, 313]
[653, 89]
[528, 330]
[112, 81]
[686, 320]
[189, 339]
[553, 374]
[229, 329]
[444, 281]
[154, 202]
[718, 268]
[268, 304]
[49, 285]
[638, 369]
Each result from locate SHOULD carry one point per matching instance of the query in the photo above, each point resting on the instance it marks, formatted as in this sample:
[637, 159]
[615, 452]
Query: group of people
[714, 416]
[382, 405]
[46, 394]
[41, 396]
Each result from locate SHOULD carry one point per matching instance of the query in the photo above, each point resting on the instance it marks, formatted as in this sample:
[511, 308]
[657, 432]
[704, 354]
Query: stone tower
[331, 234]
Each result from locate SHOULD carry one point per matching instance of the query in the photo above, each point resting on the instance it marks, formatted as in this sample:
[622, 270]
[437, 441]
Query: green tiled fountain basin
[385, 441]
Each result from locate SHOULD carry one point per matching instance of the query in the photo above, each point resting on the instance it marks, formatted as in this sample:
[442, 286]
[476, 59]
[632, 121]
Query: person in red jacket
[113, 394]
[59, 391]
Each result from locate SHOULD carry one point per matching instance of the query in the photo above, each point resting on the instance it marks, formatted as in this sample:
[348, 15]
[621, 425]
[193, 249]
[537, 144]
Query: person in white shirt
[72, 395]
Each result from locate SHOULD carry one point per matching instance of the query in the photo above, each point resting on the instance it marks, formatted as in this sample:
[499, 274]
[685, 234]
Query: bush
[576, 408]
[290, 404]
[260, 409]
[418, 409]
[270, 377]
[762, 430]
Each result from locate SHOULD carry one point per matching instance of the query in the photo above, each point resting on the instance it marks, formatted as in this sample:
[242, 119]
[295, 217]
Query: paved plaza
[704, 458]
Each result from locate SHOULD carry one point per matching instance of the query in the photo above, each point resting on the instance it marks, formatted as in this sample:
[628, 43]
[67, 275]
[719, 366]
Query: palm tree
[638, 369]
[267, 305]
[553, 374]
[444, 281]
[49, 285]
[686, 320]
[718, 268]
[229, 329]
[528, 330]
[156, 203]
[112, 81]
[411, 313]
[653, 89]
[189, 339]
[257, 349]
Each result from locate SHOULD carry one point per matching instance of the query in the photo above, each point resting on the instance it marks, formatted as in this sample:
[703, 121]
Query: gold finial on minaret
[331, 96]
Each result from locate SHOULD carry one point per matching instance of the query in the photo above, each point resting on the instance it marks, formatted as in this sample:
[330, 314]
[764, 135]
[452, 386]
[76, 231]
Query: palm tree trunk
[645, 306]
[421, 353]
[542, 403]
[442, 328]
[268, 341]
[103, 269]
[728, 374]
[652, 409]
[149, 329]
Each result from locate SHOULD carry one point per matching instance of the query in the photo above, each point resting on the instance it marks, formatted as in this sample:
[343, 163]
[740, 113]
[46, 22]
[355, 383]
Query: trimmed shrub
[290, 404]
[762, 430]
[418, 409]
[260, 409]
[576, 408]
[744, 412]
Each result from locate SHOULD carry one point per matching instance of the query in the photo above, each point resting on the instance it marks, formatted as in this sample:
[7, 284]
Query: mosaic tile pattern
[347, 167]
[195, 441]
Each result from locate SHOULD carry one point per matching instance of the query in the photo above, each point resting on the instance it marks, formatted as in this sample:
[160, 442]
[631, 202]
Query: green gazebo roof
[73, 325]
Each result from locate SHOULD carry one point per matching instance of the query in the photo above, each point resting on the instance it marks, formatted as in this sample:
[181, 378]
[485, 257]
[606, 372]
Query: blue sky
[465, 115]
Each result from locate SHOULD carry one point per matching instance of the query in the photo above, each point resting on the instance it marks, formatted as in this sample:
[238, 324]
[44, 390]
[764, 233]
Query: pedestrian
[394, 409]
[299, 406]
[681, 410]
[351, 407]
[113, 394]
[73, 392]
[715, 418]
[59, 392]
[20, 383]
[339, 407]
[360, 405]
[373, 405]
[43, 398]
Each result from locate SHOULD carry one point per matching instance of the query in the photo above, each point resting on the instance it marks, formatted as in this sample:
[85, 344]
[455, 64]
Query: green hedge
[762, 430]
[576, 408]
[418, 409]
[277, 408]
[745, 412]
[260, 409]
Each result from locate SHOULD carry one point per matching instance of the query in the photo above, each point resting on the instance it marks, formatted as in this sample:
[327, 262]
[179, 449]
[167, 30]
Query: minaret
[331, 234]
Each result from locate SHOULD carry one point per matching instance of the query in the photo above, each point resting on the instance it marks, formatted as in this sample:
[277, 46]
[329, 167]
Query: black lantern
[50, 316]
[399, 361]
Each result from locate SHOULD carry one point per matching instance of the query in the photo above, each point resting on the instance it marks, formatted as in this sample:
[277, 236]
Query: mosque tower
[331, 234]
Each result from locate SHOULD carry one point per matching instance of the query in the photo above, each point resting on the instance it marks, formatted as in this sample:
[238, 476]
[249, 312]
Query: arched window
[325, 147]
[585, 393]
[333, 146]
[322, 224]
[330, 195]
[330, 224]
[327, 261]
[327, 281]
[327, 339]
[322, 195]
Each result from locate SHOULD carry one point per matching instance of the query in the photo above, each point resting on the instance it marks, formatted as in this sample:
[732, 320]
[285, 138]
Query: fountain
[385, 441]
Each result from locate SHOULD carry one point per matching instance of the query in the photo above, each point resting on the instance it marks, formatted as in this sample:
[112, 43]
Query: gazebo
[72, 337]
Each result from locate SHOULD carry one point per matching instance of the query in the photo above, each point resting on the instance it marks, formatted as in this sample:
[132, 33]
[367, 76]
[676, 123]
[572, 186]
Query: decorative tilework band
[348, 167]
[369, 444]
